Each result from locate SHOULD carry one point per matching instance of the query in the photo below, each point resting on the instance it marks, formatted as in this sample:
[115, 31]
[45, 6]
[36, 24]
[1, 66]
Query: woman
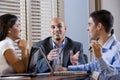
[9, 32]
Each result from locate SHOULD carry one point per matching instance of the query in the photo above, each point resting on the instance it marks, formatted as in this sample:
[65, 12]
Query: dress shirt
[110, 55]
[108, 72]
[58, 62]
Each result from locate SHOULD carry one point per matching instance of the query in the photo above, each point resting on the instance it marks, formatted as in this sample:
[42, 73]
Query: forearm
[25, 57]
[84, 67]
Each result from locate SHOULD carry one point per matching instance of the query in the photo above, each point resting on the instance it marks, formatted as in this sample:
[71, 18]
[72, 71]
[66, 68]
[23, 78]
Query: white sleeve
[6, 46]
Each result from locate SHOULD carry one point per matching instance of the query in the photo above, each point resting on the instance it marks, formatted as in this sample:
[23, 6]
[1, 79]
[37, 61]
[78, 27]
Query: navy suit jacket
[39, 64]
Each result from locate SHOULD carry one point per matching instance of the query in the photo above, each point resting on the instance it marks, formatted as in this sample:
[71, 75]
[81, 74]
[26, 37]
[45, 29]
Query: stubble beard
[58, 39]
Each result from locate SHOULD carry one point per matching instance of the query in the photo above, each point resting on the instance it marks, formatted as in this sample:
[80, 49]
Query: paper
[15, 78]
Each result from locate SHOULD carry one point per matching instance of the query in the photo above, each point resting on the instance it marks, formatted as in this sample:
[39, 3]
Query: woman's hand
[22, 44]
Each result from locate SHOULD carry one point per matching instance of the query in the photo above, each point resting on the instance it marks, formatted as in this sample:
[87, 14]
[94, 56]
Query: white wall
[114, 7]
[76, 13]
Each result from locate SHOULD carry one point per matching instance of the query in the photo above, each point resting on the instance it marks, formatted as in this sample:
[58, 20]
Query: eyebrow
[57, 24]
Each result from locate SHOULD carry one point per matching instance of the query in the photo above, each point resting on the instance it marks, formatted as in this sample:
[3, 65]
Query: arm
[36, 62]
[19, 64]
[48, 59]
[108, 72]
[85, 67]
[42, 66]
[22, 44]
[78, 57]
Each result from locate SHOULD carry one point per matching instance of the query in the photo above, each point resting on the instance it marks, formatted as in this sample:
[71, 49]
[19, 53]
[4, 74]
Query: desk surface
[74, 76]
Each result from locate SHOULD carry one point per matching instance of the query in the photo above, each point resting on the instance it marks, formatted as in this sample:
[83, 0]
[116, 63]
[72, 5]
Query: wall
[76, 13]
[114, 7]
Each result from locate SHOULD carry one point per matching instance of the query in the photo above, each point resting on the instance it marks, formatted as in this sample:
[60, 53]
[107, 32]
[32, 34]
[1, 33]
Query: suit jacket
[39, 64]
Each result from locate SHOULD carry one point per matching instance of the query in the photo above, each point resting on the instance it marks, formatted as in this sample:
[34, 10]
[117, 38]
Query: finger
[55, 57]
[71, 53]
[54, 50]
[78, 53]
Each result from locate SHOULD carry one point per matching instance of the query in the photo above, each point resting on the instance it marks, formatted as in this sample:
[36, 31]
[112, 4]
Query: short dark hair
[6, 21]
[104, 17]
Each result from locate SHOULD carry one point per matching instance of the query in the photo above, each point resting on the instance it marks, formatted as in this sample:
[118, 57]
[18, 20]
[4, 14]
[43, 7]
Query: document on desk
[65, 73]
[19, 75]
[82, 73]
[15, 78]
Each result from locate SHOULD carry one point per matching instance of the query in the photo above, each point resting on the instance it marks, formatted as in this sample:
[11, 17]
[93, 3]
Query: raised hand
[22, 44]
[53, 54]
[60, 68]
[74, 58]
[96, 47]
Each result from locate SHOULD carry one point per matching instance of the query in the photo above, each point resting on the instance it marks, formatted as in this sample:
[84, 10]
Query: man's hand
[96, 47]
[60, 68]
[53, 54]
[74, 58]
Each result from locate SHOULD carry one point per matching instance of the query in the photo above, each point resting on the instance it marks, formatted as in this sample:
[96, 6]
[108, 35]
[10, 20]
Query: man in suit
[58, 49]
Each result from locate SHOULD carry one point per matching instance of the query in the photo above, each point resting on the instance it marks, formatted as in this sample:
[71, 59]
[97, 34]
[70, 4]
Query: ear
[9, 30]
[99, 26]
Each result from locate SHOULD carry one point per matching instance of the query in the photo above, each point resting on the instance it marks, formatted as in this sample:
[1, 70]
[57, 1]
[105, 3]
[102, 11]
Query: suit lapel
[66, 52]
[48, 46]
[66, 57]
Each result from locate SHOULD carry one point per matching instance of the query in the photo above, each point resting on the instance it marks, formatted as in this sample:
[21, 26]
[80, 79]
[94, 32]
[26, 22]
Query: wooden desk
[74, 76]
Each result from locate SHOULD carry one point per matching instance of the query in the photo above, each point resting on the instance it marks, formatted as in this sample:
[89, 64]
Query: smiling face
[14, 31]
[92, 29]
[57, 29]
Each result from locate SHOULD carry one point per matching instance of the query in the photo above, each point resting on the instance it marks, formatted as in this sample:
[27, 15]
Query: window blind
[15, 7]
[41, 13]
[34, 16]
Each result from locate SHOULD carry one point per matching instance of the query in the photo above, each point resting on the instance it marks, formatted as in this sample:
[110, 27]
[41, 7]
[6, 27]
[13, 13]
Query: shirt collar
[61, 45]
[110, 42]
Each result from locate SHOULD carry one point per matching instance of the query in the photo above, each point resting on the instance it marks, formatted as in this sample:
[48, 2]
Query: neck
[57, 43]
[103, 38]
[11, 38]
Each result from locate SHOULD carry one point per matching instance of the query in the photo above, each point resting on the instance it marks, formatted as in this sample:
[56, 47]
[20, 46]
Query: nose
[87, 29]
[20, 29]
[56, 28]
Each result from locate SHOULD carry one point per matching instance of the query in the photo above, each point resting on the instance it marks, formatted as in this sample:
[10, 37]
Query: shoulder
[43, 42]
[73, 42]
[118, 45]
[5, 44]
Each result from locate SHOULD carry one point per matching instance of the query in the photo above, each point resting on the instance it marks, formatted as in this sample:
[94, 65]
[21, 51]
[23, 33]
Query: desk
[48, 77]
[73, 77]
